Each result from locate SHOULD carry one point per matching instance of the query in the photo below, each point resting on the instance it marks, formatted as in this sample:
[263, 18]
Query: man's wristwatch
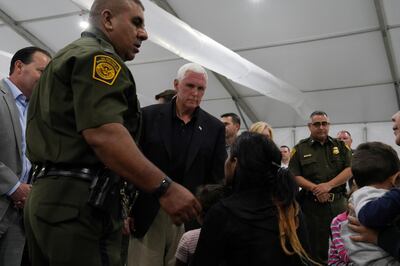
[163, 187]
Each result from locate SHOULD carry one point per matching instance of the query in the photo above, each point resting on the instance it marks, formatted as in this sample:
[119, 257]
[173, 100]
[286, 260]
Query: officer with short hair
[285, 152]
[345, 136]
[321, 166]
[232, 127]
[165, 96]
[83, 121]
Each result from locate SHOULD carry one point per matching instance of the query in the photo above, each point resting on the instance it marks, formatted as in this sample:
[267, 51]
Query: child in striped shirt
[337, 255]
[207, 195]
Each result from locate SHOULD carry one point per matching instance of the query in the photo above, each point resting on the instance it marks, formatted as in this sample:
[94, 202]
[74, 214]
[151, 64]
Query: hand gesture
[180, 204]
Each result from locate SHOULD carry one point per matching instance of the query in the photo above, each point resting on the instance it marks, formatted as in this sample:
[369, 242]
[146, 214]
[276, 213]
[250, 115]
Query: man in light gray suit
[25, 69]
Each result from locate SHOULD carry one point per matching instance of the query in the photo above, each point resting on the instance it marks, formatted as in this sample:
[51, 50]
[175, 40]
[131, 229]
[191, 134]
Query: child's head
[374, 163]
[208, 195]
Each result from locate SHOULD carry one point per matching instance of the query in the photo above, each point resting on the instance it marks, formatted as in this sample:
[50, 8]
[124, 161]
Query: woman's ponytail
[284, 195]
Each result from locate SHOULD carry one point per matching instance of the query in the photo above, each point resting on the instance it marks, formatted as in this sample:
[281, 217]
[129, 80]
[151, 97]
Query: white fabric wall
[5, 59]
[360, 133]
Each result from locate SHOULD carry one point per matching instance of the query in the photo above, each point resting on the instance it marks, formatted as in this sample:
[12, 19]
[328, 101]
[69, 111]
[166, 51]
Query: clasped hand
[321, 192]
[20, 195]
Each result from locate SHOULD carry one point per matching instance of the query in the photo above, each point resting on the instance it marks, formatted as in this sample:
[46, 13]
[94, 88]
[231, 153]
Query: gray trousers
[12, 238]
[158, 246]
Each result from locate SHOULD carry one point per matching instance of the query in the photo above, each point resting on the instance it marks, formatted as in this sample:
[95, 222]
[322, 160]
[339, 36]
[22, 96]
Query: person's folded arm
[389, 240]
[382, 211]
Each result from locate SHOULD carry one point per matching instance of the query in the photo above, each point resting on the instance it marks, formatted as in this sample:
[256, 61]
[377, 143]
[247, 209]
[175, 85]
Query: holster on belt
[105, 191]
[108, 192]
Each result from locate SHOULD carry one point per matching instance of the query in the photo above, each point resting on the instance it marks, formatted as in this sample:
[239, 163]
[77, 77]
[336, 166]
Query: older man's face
[345, 137]
[190, 90]
[396, 126]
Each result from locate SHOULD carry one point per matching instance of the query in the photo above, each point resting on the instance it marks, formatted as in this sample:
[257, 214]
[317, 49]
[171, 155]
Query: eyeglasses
[319, 124]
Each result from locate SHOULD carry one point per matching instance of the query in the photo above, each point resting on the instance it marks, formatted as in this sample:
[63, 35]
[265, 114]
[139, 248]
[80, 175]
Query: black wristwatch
[163, 187]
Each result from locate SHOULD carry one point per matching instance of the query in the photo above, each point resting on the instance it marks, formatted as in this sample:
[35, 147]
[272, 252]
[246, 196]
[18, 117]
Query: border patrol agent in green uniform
[321, 166]
[82, 123]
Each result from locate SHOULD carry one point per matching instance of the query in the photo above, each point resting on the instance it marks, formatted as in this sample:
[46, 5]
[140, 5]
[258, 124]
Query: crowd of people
[88, 177]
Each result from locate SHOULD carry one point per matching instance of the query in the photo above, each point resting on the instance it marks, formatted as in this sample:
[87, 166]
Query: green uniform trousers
[63, 230]
[318, 218]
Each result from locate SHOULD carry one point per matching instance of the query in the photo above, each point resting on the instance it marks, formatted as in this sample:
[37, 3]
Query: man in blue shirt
[381, 215]
[25, 69]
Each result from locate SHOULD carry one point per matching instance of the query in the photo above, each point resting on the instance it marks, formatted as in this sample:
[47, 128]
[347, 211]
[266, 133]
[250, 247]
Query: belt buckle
[331, 197]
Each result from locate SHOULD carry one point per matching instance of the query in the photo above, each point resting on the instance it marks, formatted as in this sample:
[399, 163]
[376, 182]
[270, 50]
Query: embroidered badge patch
[335, 150]
[105, 69]
[292, 152]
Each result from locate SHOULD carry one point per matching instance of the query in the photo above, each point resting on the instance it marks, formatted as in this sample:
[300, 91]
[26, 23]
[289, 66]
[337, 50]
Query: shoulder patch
[292, 152]
[342, 144]
[335, 150]
[105, 69]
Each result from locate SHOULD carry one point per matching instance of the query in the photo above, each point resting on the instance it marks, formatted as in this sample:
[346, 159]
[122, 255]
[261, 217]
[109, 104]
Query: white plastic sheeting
[178, 37]
[5, 59]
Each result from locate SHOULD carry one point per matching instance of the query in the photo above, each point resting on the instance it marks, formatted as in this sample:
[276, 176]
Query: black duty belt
[87, 174]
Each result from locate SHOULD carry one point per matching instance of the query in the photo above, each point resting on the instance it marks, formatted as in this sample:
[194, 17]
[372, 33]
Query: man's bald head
[122, 22]
[115, 6]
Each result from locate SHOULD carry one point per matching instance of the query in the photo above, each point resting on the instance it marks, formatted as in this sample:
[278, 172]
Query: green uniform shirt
[85, 86]
[318, 162]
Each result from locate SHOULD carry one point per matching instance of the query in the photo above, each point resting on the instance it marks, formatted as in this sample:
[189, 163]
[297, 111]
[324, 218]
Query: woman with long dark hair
[261, 222]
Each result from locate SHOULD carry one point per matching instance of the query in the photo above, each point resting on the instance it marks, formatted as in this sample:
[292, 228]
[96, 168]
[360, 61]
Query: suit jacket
[10, 143]
[204, 164]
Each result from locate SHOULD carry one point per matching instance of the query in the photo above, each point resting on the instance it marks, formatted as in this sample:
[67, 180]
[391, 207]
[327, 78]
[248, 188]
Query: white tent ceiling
[332, 50]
